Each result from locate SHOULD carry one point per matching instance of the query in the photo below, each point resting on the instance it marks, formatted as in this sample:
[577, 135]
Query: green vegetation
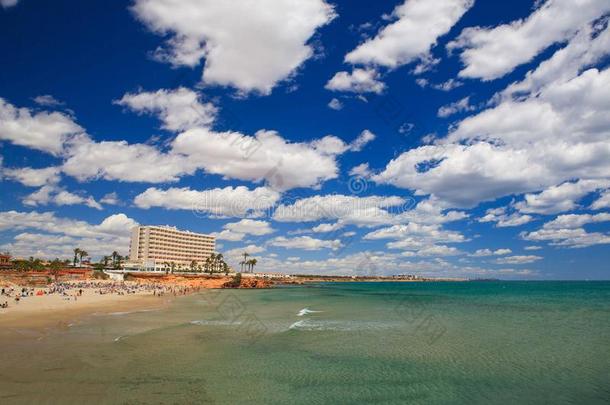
[33, 264]
[243, 263]
[214, 263]
[235, 282]
[79, 255]
[117, 260]
[248, 265]
[100, 275]
[29, 265]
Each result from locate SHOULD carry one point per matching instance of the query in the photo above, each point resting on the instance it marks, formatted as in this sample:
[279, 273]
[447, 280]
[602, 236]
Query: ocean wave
[296, 325]
[339, 326]
[306, 311]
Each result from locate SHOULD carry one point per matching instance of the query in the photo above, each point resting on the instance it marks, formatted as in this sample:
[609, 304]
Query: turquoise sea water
[390, 343]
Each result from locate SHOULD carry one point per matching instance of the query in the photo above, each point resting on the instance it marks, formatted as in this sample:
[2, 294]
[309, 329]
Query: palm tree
[225, 267]
[105, 260]
[207, 265]
[114, 256]
[76, 253]
[172, 267]
[119, 261]
[194, 265]
[214, 263]
[82, 254]
[246, 254]
[252, 264]
[219, 261]
[209, 262]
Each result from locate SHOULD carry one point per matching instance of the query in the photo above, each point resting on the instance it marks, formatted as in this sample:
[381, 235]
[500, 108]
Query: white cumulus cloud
[250, 45]
[50, 236]
[31, 177]
[305, 243]
[45, 131]
[226, 202]
[417, 26]
[489, 53]
[518, 146]
[358, 81]
[178, 109]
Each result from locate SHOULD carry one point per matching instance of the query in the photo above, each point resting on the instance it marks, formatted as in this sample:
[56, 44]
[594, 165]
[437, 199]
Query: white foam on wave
[309, 325]
[340, 326]
[118, 338]
[306, 311]
[296, 325]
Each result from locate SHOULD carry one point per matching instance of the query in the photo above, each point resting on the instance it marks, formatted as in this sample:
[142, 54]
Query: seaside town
[162, 261]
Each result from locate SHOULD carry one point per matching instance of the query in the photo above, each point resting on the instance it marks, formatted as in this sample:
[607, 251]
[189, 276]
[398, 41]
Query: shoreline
[61, 302]
[39, 312]
[32, 304]
[48, 308]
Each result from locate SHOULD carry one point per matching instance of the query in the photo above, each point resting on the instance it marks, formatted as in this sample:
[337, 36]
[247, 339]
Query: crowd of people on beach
[15, 293]
[71, 291]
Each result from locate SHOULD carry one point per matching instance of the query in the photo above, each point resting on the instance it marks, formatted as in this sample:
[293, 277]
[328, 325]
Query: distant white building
[153, 248]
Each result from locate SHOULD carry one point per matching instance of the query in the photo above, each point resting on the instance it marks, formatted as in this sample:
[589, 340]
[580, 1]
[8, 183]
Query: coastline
[40, 311]
[43, 311]
[35, 303]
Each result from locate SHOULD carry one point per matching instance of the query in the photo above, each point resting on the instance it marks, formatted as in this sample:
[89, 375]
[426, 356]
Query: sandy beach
[42, 310]
[57, 303]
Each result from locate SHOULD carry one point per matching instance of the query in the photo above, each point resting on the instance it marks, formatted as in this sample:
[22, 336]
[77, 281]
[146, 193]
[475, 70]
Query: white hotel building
[153, 246]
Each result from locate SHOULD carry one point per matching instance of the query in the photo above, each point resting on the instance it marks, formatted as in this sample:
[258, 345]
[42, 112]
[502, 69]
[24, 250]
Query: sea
[479, 342]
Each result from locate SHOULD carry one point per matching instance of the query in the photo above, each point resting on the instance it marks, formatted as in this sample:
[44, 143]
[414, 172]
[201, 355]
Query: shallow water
[441, 343]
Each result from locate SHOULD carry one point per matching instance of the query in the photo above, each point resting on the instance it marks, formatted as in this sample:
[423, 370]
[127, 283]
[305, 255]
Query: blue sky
[441, 138]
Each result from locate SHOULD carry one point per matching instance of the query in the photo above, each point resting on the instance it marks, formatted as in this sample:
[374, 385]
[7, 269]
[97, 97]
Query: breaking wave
[306, 311]
[340, 326]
